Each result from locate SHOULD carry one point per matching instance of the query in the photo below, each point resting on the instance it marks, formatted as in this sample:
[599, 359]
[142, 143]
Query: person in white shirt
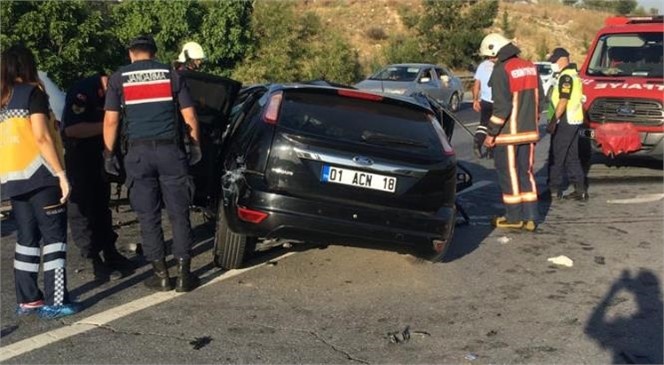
[482, 103]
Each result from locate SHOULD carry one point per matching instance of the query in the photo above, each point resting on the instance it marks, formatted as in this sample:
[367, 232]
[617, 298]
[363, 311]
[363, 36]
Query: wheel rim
[455, 102]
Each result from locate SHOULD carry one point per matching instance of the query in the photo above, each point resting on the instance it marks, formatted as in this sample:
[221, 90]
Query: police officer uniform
[89, 214]
[157, 167]
[564, 156]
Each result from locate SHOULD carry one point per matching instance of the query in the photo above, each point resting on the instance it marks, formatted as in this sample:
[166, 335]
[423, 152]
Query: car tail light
[271, 114]
[359, 95]
[250, 215]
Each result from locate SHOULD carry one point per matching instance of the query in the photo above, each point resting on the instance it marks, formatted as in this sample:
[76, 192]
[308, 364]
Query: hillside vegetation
[370, 26]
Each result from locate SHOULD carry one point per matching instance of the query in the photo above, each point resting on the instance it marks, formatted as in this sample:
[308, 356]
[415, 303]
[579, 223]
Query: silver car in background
[408, 78]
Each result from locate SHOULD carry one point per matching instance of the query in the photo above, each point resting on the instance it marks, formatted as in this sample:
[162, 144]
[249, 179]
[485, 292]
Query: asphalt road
[494, 299]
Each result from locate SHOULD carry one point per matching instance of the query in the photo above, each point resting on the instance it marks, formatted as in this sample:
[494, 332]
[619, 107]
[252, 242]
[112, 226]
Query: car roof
[418, 65]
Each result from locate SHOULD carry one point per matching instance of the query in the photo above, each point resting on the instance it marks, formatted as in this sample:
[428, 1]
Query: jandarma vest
[574, 110]
[22, 167]
[148, 100]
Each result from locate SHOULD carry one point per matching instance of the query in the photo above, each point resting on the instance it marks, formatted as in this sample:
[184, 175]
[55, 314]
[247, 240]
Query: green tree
[653, 11]
[70, 39]
[507, 28]
[452, 31]
[625, 7]
[542, 49]
[402, 49]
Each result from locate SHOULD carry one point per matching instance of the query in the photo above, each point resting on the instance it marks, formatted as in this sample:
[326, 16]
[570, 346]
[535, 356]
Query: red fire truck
[624, 87]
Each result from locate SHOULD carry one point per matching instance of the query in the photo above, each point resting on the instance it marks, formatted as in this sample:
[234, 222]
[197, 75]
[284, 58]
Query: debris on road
[491, 333]
[200, 342]
[561, 260]
[504, 239]
[600, 260]
[470, 357]
[400, 336]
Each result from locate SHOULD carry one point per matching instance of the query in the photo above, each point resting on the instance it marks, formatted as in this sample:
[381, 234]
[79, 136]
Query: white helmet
[492, 43]
[191, 51]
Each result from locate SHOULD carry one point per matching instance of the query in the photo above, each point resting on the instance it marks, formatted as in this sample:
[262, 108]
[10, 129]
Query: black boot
[160, 281]
[186, 281]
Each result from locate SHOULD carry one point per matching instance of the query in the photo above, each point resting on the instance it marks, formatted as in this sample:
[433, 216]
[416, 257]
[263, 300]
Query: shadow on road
[635, 338]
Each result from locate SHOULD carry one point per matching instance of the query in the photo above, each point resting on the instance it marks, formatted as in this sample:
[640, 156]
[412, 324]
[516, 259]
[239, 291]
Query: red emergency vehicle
[624, 87]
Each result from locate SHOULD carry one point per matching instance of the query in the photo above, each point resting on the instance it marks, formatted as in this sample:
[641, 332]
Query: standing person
[156, 164]
[565, 120]
[191, 57]
[482, 101]
[513, 131]
[89, 214]
[33, 178]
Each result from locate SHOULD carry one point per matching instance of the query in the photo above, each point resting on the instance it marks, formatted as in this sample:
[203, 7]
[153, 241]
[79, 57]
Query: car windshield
[628, 55]
[543, 70]
[396, 73]
[350, 119]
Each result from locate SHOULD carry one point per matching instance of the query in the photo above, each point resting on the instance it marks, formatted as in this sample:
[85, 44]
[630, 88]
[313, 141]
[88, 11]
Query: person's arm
[85, 130]
[564, 92]
[476, 95]
[111, 122]
[502, 103]
[189, 116]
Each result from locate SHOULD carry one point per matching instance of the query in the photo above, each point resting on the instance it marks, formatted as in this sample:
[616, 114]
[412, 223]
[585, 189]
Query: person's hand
[65, 188]
[476, 106]
[490, 142]
[195, 154]
[111, 165]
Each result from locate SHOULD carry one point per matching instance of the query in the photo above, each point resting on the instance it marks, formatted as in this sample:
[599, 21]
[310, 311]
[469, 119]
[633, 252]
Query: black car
[306, 162]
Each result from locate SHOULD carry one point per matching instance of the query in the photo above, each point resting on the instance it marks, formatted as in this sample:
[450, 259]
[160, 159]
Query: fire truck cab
[624, 85]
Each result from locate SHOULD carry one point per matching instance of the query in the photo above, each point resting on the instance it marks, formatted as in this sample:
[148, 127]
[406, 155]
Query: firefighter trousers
[514, 166]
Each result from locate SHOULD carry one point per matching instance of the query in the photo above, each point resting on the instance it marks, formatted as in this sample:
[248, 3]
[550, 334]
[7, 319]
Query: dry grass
[560, 25]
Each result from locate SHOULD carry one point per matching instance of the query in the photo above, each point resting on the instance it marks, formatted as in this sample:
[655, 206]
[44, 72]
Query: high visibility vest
[574, 110]
[22, 167]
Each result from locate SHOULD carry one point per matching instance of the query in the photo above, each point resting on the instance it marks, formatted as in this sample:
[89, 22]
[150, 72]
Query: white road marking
[641, 198]
[477, 185]
[103, 318]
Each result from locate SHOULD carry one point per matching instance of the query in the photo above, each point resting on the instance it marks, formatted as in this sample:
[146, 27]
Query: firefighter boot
[502, 222]
[186, 281]
[160, 281]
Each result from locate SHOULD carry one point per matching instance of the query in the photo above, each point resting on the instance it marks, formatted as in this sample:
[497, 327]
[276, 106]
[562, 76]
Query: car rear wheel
[231, 249]
[436, 252]
[454, 102]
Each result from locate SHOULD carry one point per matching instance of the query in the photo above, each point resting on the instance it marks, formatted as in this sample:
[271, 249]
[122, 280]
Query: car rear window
[352, 119]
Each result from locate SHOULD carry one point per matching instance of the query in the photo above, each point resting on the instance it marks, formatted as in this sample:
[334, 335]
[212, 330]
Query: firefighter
[191, 57]
[513, 131]
[89, 214]
[149, 95]
[565, 115]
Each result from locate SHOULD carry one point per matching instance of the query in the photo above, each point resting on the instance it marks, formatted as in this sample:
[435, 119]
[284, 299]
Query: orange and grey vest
[22, 167]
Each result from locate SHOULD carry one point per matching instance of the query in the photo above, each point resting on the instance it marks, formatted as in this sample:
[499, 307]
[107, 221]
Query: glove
[551, 126]
[64, 186]
[195, 154]
[111, 165]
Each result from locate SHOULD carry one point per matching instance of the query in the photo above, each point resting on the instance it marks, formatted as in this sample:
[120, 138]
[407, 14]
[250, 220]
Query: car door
[446, 84]
[429, 84]
[213, 98]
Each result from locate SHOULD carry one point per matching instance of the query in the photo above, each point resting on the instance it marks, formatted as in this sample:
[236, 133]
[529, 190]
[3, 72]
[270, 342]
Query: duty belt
[150, 142]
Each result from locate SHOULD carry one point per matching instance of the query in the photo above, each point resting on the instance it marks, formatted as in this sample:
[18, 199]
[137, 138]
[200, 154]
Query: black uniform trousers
[156, 171]
[564, 158]
[40, 216]
[90, 217]
[514, 165]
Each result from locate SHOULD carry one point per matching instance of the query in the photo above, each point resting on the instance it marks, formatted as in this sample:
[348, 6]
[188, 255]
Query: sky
[647, 4]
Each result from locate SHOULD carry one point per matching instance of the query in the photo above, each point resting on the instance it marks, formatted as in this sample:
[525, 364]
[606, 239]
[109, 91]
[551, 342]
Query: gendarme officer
[148, 93]
[89, 214]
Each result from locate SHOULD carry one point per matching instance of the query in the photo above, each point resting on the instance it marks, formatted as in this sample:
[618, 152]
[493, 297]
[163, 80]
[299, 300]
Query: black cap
[557, 53]
[144, 41]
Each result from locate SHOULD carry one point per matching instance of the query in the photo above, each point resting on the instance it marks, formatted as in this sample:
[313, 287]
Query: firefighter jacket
[22, 167]
[568, 86]
[517, 95]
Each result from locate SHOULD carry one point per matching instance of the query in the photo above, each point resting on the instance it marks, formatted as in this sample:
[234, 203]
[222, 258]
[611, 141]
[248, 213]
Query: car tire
[455, 102]
[428, 253]
[231, 249]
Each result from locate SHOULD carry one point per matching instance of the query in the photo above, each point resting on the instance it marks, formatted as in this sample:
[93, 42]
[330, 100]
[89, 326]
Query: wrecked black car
[321, 163]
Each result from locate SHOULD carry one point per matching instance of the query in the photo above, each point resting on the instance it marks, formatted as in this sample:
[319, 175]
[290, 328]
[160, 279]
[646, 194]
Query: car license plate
[360, 179]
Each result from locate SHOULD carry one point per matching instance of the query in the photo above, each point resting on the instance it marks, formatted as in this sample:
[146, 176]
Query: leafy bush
[376, 33]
